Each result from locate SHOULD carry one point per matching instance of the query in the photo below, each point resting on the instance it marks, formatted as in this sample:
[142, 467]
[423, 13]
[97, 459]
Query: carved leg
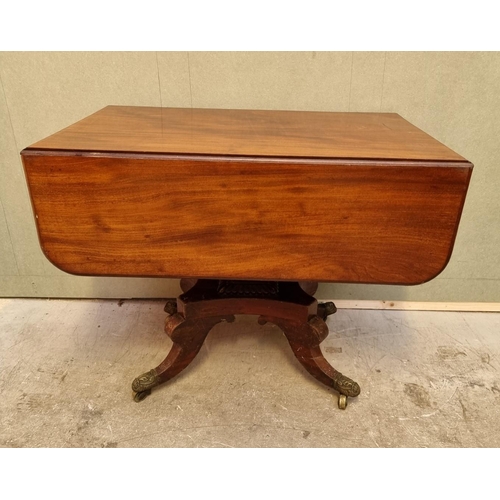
[188, 337]
[304, 339]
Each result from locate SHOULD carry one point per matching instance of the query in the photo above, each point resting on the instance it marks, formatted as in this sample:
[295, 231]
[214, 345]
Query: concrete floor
[428, 379]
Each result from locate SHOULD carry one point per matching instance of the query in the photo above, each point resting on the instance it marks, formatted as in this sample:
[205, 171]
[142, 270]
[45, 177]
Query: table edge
[251, 159]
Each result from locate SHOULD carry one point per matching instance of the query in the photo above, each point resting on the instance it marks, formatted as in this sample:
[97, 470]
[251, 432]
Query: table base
[205, 303]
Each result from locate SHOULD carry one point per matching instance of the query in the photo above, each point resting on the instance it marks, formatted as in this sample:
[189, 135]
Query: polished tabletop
[245, 194]
[296, 134]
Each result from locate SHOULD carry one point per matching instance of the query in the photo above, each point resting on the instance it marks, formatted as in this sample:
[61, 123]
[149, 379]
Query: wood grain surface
[249, 133]
[389, 222]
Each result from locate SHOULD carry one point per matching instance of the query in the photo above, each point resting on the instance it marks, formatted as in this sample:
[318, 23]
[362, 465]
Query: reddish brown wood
[187, 337]
[301, 134]
[309, 287]
[187, 283]
[304, 339]
[241, 194]
[209, 298]
[390, 223]
[287, 305]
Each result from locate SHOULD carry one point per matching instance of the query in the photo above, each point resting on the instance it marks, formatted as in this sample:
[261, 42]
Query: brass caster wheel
[139, 396]
[342, 401]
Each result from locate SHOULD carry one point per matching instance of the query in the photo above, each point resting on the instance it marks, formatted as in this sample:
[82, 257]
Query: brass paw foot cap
[146, 381]
[346, 386]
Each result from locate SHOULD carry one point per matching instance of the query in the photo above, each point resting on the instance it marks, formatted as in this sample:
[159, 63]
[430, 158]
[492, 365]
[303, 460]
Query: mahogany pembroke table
[251, 209]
